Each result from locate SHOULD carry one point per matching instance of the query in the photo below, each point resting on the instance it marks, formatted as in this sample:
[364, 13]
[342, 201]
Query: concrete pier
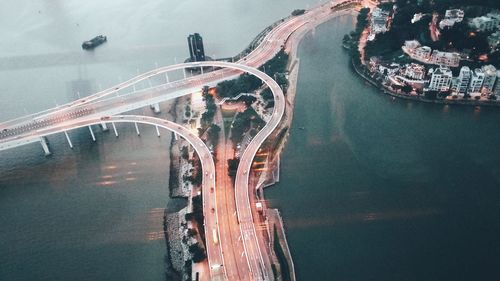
[137, 129]
[104, 126]
[45, 146]
[69, 140]
[92, 133]
[157, 131]
[114, 129]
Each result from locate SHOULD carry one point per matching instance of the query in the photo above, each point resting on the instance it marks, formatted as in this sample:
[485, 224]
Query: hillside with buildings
[446, 50]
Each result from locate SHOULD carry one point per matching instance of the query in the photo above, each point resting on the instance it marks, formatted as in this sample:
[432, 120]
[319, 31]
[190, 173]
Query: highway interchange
[102, 106]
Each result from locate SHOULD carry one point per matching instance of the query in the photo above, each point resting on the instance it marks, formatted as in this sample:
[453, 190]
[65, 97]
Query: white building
[461, 83]
[378, 22]
[486, 23]
[476, 81]
[494, 40]
[411, 44]
[497, 86]
[415, 71]
[451, 17]
[445, 58]
[417, 17]
[423, 53]
[490, 76]
[440, 79]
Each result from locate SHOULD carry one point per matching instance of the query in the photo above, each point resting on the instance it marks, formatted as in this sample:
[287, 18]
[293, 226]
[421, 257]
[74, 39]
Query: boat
[94, 42]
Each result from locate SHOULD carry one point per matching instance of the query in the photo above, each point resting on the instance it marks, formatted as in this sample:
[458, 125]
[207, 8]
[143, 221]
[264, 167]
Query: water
[382, 189]
[95, 212]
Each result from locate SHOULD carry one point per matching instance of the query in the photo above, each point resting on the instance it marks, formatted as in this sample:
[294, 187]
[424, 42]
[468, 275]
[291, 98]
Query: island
[431, 51]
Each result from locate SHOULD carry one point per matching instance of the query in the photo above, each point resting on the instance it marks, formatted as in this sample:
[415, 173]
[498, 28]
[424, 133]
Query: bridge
[101, 110]
[105, 106]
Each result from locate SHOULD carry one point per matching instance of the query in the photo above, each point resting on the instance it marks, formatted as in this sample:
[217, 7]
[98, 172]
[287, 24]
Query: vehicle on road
[215, 238]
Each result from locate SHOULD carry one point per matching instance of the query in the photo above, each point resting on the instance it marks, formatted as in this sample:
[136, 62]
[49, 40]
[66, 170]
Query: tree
[185, 152]
[191, 232]
[431, 95]
[197, 252]
[232, 166]
[213, 134]
[407, 89]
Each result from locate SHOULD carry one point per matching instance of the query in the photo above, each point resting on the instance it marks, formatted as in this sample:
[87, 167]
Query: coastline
[386, 91]
[279, 137]
[276, 226]
[358, 63]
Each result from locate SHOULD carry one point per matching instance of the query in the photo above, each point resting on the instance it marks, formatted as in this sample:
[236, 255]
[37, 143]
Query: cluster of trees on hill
[351, 40]
[459, 37]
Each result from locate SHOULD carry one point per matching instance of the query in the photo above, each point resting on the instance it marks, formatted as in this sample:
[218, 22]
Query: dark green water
[382, 189]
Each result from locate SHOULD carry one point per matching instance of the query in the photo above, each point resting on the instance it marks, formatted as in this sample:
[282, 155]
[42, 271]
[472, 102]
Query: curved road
[99, 111]
[89, 110]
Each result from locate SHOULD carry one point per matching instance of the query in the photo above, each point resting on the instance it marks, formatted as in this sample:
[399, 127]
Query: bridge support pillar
[166, 76]
[201, 70]
[176, 136]
[69, 140]
[137, 129]
[157, 131]
[156, 108]
[114, 129]
[184, 71]
[104, 126]
[133, 87]
[92, 133]
[45, 145]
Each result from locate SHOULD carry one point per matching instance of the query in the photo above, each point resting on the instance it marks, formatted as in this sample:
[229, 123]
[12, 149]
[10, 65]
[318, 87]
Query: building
[415, 71]
[451, 17]
[461, 83]
[417, 17]
[440, 79]
[497, 86]
[486, 23]
[490, 76]
[426, 55]
[494, 40]
[378, 22]
[445, 58]
[196, 50]
[476, 81]
[423, 53]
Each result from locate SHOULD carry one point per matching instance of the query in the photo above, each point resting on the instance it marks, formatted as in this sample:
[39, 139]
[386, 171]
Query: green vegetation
[243, 122]
[460, 37]
[198, 252]
[213, 134]
[245, 83]
[191, 232]
[232, 166]
[285, 270]
[185, 153]
[196, 177]
[351, 40]
[208, 116]
[197, 214]
[276, 65]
